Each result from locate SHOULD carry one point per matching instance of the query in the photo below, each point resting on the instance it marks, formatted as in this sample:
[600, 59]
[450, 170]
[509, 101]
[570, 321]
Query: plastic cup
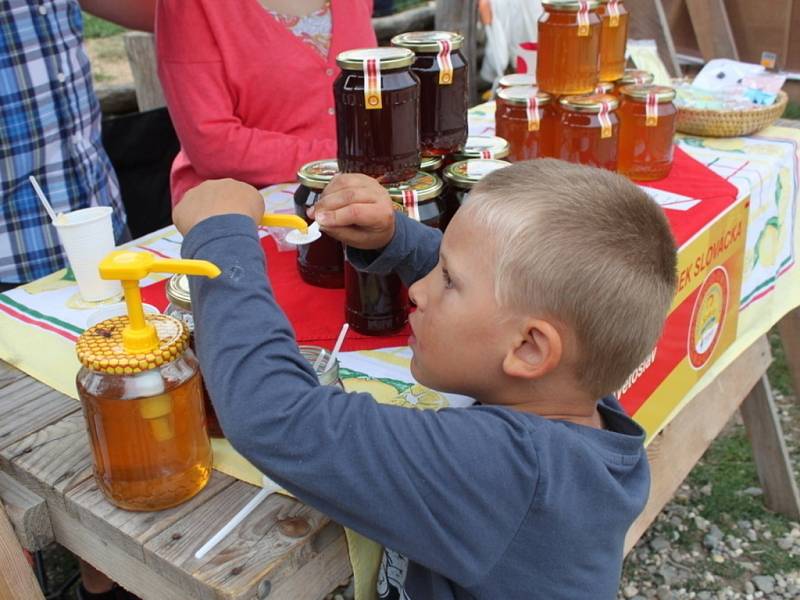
[87, 236]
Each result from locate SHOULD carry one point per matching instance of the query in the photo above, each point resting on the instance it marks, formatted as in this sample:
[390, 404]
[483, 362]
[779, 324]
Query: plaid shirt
[49, 128]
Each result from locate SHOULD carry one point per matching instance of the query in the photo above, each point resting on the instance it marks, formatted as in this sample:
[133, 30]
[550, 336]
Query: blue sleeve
[423, 483]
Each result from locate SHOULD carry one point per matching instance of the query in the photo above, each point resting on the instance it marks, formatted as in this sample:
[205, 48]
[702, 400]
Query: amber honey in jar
[516, 79]
[420, 199]
[144, 414]
[479, 146]
[320, 263]
[377, 113]
[444, 94]
[569, 47]
[459, 178]
[524, 116]
[633, 77]
[588, 132]
[646, 131]
[613, 39]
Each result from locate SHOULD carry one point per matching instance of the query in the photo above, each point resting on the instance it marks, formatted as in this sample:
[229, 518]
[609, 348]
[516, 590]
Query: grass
[94, 27]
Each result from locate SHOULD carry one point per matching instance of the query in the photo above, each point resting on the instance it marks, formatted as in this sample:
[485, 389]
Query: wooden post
[462, 16]
[769, 450]
[648, 21]
[17, 581]
[789, 328]
[28, 514]
[141, 49]
[712, 29]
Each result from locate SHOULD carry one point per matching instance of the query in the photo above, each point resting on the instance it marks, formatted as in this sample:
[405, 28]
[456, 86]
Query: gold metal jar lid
[430, 163]
[604, 87]
[388, 58]
[635, 76]
[591, 103]
[100, 348]
[490, 146]
[427, 41]
[569, 5]
[178, 292]
[427, 186]
[640, 93]
[466, 173]
[515, 79]
[318, 174]
[521, 94]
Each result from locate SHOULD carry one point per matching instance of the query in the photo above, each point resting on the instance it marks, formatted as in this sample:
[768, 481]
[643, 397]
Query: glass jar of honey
[374, 304]
[420, 199]
[613, 39]
[459, 178]
[490, 146]
[180, 307]
[604, 87]
[588, 132]
[524, 116]
[516, 79]
[320, 263]
[144, 414]
[646, 131]
[569, 46]
[431, 164]
[444, 94]
[377, 113]
[633, 77]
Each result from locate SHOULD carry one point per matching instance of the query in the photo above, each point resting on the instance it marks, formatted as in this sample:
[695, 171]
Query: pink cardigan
[249, 99]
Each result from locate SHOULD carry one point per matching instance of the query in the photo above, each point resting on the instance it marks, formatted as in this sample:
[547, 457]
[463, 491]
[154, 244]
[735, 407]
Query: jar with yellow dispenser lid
[142, 397]
[613, 39]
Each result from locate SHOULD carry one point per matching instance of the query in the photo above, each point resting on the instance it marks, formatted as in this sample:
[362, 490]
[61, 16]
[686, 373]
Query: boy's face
[459, 337]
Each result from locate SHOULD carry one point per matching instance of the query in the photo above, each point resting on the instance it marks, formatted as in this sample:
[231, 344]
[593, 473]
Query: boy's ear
[537, 351]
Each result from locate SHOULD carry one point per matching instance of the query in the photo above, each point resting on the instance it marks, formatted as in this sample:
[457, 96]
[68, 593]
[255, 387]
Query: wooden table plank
[9, 374]
[16, 577]
[271, 545]
[27, 406]
[27, 513]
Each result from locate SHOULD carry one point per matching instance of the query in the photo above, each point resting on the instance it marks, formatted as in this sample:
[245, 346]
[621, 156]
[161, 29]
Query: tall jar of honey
[444, 93]
[588, 133]
[142, 398]
[569, 46]
[377, 113]
[180, 307]
[459, 178]
[320, 263]
[525, 117]
[613, 39]
[633, 77]
[479, 146]
[420, 199]
[646, 131]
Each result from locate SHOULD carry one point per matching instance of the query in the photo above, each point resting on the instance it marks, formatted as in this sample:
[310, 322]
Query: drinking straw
[43, 198]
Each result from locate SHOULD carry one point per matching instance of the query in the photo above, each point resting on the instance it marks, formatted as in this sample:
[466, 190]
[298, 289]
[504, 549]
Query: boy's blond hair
[586, 247]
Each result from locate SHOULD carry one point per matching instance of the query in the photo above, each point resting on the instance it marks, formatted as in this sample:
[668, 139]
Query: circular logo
[708, 317]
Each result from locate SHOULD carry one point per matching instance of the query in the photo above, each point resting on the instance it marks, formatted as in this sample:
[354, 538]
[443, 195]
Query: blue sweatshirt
[480, 502]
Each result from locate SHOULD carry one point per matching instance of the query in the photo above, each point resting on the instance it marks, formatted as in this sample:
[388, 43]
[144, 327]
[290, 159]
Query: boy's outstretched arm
[424, 484]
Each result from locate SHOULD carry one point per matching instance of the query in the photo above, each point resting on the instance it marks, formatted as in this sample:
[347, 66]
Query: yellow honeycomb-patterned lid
[100, 347]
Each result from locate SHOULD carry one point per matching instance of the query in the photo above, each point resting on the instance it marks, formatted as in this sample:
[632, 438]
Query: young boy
[550, 286]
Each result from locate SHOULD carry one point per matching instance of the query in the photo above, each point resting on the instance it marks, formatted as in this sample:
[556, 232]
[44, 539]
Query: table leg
[17, 581]
[769, 450]
[789, 329]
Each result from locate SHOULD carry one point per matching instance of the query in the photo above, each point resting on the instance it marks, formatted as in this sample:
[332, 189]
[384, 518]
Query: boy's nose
[415, 293]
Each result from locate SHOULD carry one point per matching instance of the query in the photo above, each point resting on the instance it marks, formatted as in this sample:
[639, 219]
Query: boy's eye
[448, 283]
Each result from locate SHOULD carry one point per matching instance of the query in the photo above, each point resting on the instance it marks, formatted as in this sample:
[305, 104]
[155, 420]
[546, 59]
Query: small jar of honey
[633, 77]
[525, 117]
[377, 113]
[478, 146]
[613, 39]
[646, 131]
[459, 178]
[444, 94]
[420, 199]
[604, 87]
[180, 307]
[431, 163]
[320, 263]
[588, 133]
[374, 304]
[516, 79]
[569, 46]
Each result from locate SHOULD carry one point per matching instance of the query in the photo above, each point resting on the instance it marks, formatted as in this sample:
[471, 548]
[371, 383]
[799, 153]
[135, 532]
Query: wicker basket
[733, 123]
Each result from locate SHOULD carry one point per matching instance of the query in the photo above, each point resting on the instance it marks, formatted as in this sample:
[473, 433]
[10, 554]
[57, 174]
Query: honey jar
[180, 307]
[646, 131]
[613, 39]
[142, 398]
[374, 304]
[525, 117]
[478, 146]
[516, 79]
[377, 113]
[431, 163]
[633, 77]
[569, 46]
[588, 132]
[320, 263]
[604, 87]
[459, 178]
[420, 199]
[444, 94]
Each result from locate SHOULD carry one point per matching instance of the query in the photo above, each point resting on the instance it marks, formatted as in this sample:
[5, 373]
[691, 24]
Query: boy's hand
[356, 210]
[217, 197]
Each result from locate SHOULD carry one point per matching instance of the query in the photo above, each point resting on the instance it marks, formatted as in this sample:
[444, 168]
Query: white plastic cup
[87, 236]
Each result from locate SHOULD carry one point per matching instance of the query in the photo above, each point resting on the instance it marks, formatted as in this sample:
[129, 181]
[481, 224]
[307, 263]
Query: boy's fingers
[346, 180]
[351, 214]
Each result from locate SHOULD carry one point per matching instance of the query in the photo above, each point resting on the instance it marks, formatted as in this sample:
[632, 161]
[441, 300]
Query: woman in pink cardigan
[249, 83]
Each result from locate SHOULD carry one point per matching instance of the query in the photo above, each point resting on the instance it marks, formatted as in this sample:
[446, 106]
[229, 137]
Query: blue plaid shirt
[49, 128]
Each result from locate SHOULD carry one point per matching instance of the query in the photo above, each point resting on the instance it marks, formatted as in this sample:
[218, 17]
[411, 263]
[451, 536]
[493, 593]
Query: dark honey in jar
[588, 132]
[377, 114]
[613, 39]
[459, 178]
[320, 263]
[646, 131]
[420, 199]
[569, 47]
[444, 93]
[374, 304]
[525, 117]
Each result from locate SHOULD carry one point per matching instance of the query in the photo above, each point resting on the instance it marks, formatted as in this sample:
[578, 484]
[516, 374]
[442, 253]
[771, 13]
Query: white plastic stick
[338, 346]
[42, 198]
[318, 362]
